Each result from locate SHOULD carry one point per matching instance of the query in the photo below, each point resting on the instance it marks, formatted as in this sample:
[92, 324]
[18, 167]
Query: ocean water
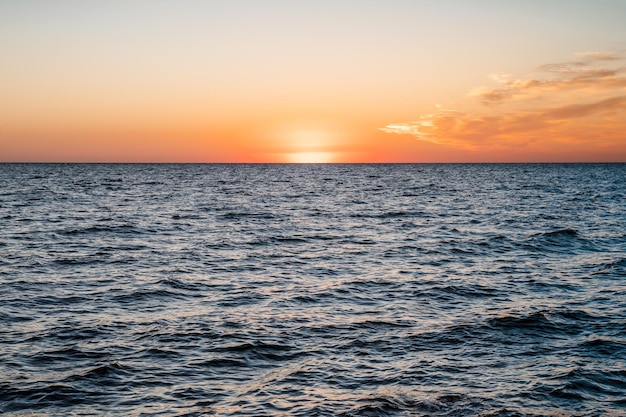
[313, 290]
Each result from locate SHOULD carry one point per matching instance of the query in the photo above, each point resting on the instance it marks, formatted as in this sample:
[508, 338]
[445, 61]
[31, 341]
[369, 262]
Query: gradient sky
[313, 81]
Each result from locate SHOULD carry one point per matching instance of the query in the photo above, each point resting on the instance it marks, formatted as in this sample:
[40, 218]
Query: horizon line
[302, 163]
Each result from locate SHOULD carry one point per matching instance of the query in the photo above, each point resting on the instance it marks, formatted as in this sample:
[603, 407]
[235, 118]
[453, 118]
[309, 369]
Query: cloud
[578, 102]
[510, 128]
[582, 110]
[583, 74]
[602, 56]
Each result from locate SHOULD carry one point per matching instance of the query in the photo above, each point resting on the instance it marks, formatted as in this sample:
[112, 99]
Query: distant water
[313, 290]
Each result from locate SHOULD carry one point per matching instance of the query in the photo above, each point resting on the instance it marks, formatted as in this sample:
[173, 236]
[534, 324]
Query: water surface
[313, 290]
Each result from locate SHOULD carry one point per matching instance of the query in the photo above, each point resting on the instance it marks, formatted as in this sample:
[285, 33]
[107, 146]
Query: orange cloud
[582, 106]
[466, 130]
[563, 76]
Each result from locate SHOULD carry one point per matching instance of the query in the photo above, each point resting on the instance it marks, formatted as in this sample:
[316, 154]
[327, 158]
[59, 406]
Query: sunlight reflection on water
[354, 290]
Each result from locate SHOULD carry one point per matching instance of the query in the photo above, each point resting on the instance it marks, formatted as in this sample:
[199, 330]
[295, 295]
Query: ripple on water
[312, 290]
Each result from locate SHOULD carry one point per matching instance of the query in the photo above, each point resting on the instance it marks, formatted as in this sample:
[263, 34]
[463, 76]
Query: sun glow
[308, 142]
[310, 157]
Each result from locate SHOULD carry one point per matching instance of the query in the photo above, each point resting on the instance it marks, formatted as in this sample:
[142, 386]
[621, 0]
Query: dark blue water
[313, 290]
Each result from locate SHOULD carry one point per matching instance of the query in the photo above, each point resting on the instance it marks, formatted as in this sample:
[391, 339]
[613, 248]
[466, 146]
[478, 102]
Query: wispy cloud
[580, 101]
[602, 56]
[584, 74]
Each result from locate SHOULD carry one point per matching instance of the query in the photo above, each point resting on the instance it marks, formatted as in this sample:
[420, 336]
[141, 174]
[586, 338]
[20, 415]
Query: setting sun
[307, 142]
[280, 81]
[312, 208]
[310, 157]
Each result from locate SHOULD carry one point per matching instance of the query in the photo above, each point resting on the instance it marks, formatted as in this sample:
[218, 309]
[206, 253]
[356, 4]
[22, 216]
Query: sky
[312, 81]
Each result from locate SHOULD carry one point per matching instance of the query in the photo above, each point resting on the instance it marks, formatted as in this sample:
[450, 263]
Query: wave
[42, 396]
[545, 323]
[583, 385]
[561, 241]
[450, 405]
[370, 290]
[67, 353]
[467, 290]
[219, 363]
[145, 295]
[6, 317]
[102, 374]
[279, 240]
[569, 233]
[182, 285]
[254, 346]
[258, 350]
[189, 216]
[603, 347]
[239, 215]
[615, 267]
[124, 229]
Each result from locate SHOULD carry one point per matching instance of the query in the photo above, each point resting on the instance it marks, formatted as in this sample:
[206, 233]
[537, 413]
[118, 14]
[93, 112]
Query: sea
[485, 290]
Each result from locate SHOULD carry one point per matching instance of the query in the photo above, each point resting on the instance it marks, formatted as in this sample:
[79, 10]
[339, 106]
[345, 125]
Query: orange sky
[305, 81]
